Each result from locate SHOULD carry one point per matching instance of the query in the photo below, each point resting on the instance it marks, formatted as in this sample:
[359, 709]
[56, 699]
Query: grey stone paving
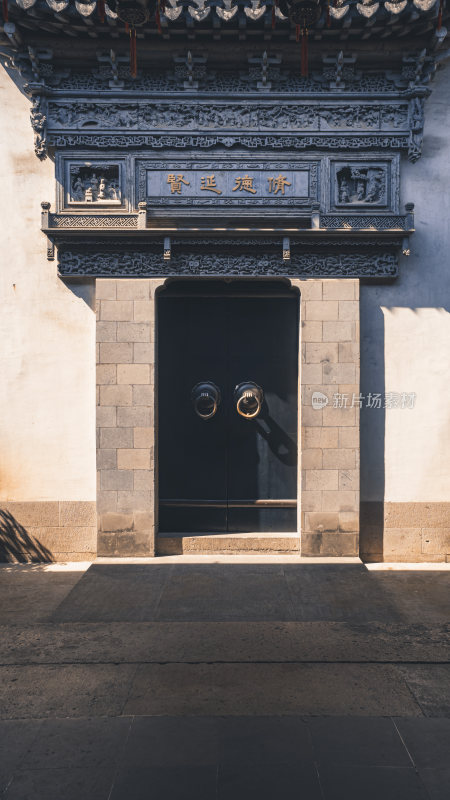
[224, 680]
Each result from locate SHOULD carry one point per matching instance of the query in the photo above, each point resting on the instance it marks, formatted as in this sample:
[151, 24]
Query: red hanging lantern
[5, 10]
[133, 15]
[441, 7]
[303, 14]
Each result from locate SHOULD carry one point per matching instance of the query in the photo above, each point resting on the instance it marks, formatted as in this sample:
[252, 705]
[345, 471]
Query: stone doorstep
[223, 543]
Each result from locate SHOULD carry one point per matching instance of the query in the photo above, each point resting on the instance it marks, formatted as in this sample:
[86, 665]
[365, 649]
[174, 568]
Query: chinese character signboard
[219, 184]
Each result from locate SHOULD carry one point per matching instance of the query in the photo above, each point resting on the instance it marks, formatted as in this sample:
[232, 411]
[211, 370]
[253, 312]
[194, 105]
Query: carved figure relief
[98, 183]
[361, 185]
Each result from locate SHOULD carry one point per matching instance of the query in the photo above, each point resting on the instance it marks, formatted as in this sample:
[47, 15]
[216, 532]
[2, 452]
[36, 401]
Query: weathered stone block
[320, 437]
[349, 310]
[311, 417]
[132, 501]
[349, 352]
[340, 331]
[116, 479]
[134, 543]
[135, 417]
[329, 544]
[114, 521]
[308, 389]
[77, 513]
[133, 459]
[312, 459]
[38, 514]
[143, 521]
[144, 479]
[436, 541]
[311, 373]
[115, 395]
[132, 373]
[424, 515]
[339, 458]
[144, 354]
[105, 289]
[321, 354]
[320, 521]
[112, 438]
[144, 311]
[341, 501]
[311, 331]
[143, 437]
[321, 479]
[133, 289]
[338, 289]
[339, 374]
[349, 437]
[116, 353]
[116, 310]
[401, 541]
[144, 395]
[321, 310]
[106, 459]
[70, 539]
[349, 522]
[309, 289]
[106, 501]
[133, 332]
[106, 416]
[106, 374]
[339, 417]
[349, 480]
[106, 331]
[311, 501]
[106, 544]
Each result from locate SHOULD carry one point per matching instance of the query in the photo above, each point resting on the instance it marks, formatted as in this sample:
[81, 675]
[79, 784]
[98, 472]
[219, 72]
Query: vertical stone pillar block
[329, 414]
[125, 416]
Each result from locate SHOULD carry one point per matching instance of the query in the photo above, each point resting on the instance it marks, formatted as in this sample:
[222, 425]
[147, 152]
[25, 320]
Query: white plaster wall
[47, 334]
[405, 454]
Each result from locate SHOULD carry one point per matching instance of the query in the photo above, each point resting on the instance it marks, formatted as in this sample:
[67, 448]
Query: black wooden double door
[227, 472]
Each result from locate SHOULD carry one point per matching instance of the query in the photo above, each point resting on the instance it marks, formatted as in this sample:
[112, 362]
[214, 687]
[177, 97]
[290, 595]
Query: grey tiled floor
[218, 757]
[222, 681]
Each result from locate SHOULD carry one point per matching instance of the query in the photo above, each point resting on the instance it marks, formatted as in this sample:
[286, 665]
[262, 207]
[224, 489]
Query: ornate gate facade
[198, 170]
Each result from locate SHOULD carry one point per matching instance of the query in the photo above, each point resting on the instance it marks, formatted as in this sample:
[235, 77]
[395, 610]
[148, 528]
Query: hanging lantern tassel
[162, 6]
[101, 10]
[328, 14]
[127, 27]
[274, 19]
[133, 53]
[439, 22]
[158, 18]
[5, 10]
[304, 53]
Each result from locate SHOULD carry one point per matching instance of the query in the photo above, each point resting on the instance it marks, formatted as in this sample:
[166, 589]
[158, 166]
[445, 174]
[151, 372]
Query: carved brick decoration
[144, 263]
[94, 183]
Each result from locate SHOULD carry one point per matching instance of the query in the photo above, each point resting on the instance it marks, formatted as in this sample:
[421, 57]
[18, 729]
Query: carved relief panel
[364, 183]
[88, 184]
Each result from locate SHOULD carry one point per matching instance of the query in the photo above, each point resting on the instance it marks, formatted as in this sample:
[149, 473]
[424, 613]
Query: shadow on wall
[16, 544]
[372, 434]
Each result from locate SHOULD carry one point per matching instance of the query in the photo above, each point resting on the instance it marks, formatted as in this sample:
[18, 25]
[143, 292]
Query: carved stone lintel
[143, 263]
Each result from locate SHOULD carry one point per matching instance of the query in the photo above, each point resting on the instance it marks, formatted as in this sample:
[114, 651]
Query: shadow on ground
[254, 592]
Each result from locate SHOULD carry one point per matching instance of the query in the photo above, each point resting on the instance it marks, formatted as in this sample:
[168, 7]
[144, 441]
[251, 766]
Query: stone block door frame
[328, 446]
